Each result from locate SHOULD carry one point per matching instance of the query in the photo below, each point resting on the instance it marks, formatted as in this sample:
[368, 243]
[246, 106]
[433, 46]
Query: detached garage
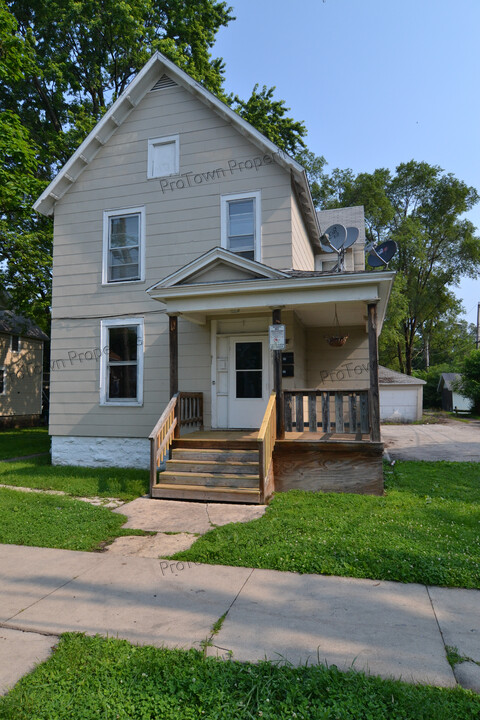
[401, 396]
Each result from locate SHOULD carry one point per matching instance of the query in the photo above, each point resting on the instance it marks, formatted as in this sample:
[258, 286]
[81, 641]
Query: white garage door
[398, 405]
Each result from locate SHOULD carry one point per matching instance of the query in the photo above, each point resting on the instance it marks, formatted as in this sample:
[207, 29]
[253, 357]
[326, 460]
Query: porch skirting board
[101, 452]
[328, 466]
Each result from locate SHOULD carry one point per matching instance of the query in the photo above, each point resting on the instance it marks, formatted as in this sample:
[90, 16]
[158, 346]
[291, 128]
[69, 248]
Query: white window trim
[3, 373]
[163, 141]
[19, 343]
[104, 327]
[224, 200]
[107, 214]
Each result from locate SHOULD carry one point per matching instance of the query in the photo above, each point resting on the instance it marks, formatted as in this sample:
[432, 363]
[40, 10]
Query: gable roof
[446, 380]
[386, 376]
[12, 324]
[251, 269]
[154, 71]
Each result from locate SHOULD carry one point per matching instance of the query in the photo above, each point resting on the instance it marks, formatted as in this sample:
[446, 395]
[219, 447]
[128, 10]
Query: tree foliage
[420, 207]
[62, 63]
[469, 385]
[269, 117]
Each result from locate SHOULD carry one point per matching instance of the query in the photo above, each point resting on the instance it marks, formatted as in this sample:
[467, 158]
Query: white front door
[248, 381]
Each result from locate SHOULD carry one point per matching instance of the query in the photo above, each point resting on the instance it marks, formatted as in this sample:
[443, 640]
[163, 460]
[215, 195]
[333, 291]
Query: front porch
[326, 445]
[311, 405]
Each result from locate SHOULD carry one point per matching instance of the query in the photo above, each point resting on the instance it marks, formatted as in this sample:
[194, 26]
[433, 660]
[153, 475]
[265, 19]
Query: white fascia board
[122, 107]
[282, 284]
[250, 295]
[216, 255]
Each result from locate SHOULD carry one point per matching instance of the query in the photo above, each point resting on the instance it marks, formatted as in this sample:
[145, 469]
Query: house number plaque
[276, 335]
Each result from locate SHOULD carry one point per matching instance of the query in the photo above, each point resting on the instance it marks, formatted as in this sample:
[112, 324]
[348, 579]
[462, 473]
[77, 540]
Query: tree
[269, 117]
[421, 208]
[62, 64]
[469, 385]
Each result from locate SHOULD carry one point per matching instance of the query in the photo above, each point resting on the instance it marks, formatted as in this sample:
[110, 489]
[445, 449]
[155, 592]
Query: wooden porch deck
[306, 436]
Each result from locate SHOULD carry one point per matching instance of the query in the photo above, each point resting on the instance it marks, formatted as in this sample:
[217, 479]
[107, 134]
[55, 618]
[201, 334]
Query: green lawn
[126, 484]
[425, 529]
[89, 678]
[28, 441]
[57, 522]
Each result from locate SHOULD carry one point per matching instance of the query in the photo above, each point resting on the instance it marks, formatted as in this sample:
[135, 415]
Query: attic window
[164, 82]
[163, 156]
[15, 343]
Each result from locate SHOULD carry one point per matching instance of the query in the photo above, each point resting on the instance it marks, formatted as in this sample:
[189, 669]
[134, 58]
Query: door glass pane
[248, 369]
[249, 383]
[248, 356]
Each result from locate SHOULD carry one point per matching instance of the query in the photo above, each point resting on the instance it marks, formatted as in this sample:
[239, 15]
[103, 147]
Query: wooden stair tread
[207, 488]
[214, 476]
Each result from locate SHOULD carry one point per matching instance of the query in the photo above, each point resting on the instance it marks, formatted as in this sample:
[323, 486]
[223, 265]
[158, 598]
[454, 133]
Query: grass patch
[123, 483]
[426, 529]
[57, 522]
[27, 441]
[89, 678]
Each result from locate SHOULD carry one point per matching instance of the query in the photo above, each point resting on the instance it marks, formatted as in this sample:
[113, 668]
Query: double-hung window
[241, 224]
[123, 245]
[121, 367]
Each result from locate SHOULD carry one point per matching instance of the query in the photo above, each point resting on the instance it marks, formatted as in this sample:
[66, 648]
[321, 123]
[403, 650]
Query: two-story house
[181, 234]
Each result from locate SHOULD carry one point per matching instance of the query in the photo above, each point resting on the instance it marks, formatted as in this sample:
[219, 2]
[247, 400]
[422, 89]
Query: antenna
[381, 255]
[337, 239]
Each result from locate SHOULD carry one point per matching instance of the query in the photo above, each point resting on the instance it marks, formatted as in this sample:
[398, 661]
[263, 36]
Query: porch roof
[260, 288]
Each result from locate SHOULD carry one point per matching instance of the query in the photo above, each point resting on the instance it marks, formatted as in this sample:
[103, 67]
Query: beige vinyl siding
[302, 254]
[23, 377]
[75, 377]
[181, 224]
[337, 368]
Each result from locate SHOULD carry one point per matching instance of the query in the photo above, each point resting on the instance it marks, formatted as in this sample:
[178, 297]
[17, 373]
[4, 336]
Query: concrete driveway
[451, 440]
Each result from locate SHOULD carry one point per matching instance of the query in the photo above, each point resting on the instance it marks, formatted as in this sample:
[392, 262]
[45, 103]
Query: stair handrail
[162, 437]
[266, 437]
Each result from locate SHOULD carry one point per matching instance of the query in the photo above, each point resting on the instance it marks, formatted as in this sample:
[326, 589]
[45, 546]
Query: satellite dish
[352, 237]
[326, 248]
[337, 235]
[382, 254]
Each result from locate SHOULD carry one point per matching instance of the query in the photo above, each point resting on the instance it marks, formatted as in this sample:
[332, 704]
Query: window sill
[121, 403]
[124, 282]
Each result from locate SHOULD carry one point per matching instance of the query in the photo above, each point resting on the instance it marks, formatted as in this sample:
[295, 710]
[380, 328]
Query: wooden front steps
[217, 469]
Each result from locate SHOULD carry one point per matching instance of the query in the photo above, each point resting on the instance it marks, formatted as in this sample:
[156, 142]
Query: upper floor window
[123, 245]
[2, 381]
[121, 364]
[15, 343]
[163, 156]
[241, 224]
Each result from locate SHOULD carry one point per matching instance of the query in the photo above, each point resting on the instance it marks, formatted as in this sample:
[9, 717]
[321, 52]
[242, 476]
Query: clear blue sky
[377, 82]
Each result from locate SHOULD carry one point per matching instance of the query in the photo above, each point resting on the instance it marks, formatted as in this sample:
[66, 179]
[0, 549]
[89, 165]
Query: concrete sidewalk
[385, 628]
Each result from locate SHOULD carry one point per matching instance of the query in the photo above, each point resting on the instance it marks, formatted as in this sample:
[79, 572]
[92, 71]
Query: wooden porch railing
[184, 410]
[331, 411]
[266, 443]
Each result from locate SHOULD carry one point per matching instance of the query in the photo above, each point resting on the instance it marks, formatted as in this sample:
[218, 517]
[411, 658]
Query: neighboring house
[181, 234]
[452, 400]
[401, 396]
[21, 369]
